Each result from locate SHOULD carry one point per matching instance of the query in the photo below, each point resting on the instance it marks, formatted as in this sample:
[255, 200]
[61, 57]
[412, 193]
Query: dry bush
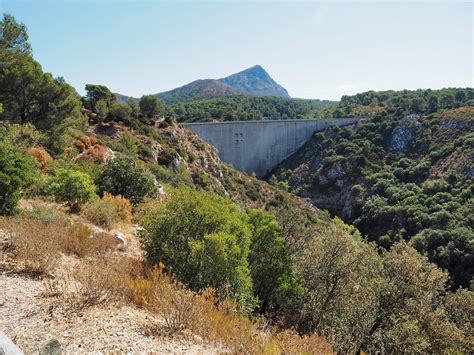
[108, 211]
[41, 156]
[34, 245]
[91, 150]
[175, 305]
[95, 281]
[219, 322]
[163, 295]
[37, 246]
[290, 342]
[84, 142]
[98, 153]
[216, 321]
[182, 309]
[77, 240]
[122, 206]
[119, 279]
[98, 281]
[204, 315]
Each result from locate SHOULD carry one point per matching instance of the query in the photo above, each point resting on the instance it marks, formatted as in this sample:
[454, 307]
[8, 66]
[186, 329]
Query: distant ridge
[255, 81]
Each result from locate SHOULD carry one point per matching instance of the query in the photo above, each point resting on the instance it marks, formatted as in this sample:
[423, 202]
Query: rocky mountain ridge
[254, 81]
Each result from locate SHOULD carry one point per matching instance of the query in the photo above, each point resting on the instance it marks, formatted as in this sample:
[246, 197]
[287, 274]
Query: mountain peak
[255, 81]
[258, 69]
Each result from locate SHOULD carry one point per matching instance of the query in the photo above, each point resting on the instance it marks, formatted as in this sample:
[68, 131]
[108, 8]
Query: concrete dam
[259, 146]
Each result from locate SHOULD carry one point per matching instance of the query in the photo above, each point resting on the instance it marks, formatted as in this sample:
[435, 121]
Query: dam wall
[259, 146]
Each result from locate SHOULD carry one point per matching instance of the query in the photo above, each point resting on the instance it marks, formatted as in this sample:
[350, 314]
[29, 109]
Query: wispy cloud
[320, 16]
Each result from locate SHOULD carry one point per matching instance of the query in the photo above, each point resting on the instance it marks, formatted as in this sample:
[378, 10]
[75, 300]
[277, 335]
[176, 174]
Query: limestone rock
[95, 231]
[405, 133]
[120, 237]
[5, 240]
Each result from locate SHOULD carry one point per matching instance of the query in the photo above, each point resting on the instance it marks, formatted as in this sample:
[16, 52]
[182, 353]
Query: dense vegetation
[217, 230]
[243, 108]
[403, 102]
[399, 177]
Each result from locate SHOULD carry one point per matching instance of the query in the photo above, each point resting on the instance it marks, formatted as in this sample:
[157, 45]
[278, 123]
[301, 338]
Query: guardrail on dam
[258, 146]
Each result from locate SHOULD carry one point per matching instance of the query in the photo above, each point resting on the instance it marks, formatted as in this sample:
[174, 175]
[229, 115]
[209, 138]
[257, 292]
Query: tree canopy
[27, 93]
[13, 40]
[150, 106]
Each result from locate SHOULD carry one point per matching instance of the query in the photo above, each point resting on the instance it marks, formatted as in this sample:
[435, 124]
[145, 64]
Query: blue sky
[314, 49]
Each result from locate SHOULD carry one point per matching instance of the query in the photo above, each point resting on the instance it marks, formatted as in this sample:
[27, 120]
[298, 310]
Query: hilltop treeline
[402, 102]
[244, 108]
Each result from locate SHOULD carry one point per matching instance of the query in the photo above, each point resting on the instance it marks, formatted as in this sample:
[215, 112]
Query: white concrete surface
[258, 146]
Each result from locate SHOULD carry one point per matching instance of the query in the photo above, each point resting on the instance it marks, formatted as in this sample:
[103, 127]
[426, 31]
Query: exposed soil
[31, 319]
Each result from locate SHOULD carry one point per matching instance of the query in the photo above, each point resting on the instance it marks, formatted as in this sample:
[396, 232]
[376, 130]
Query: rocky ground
[32, 319]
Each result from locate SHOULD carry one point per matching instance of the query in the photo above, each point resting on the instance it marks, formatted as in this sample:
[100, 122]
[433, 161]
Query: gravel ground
[31, 320]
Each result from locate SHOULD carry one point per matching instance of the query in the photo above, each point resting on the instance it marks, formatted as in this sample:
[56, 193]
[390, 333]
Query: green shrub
[74, 188]
[174, 177]
[47, 215]
[16, 171]
[253, 191]
[125, 177]
[20, 136]
[100, 213]
[108, 211]
[204, 239]
[274, 282]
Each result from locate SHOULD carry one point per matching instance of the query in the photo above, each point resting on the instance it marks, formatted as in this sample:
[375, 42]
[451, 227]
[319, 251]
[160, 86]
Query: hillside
[398, 176]
[199, 89]
[255, 81]
[245, 108]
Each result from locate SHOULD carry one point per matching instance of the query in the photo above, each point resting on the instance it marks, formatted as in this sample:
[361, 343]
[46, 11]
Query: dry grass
[121, 280]
[77, 241]
[127, 281]
[37, 246]
[100, 277]
[34, 246]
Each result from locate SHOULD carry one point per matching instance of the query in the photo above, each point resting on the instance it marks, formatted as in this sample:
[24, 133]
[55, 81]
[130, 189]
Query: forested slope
[399, 176]
[244, 108]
